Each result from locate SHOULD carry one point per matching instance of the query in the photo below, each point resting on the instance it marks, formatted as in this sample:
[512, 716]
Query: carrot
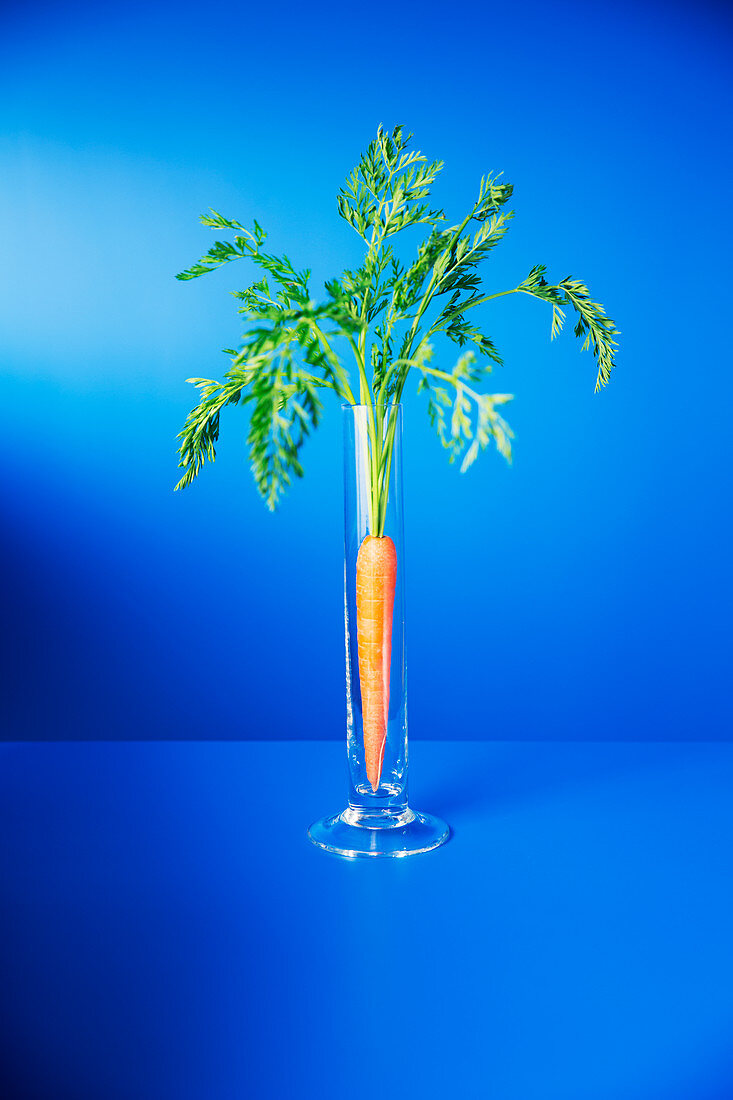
[376, 575]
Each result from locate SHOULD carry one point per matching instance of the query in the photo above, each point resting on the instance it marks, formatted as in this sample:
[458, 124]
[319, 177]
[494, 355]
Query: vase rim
[384, 405]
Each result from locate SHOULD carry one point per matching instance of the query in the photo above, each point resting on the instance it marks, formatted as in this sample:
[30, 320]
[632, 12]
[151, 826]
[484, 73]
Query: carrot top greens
[381, 319]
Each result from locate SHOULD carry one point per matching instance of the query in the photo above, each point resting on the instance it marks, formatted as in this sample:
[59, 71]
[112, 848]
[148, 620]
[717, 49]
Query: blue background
[583, 593]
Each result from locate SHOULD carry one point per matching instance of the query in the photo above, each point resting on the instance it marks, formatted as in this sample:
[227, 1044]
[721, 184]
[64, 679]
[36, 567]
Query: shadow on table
[493, 777]
[715, 1084]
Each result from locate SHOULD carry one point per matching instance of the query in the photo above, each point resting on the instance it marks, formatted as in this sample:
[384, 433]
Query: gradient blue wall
[583, 593]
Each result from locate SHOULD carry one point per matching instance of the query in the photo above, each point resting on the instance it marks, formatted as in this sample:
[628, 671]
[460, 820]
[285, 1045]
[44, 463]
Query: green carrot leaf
[382, 317]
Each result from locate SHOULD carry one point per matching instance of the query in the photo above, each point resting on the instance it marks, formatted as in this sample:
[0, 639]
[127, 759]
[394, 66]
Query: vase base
[409, 835]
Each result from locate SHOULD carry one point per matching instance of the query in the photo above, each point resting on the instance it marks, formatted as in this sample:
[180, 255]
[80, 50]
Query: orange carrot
[376, 575]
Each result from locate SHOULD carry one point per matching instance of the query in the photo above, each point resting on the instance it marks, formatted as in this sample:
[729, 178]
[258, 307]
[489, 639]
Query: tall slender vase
[378, 820]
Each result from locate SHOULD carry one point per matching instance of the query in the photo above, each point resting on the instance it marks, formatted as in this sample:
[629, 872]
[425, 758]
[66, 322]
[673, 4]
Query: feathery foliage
[384, 316]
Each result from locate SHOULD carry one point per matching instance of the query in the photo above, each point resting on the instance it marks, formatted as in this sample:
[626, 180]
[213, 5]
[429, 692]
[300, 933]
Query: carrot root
[376, 576]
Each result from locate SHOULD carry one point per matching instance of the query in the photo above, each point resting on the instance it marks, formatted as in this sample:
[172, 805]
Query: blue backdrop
[583, 593]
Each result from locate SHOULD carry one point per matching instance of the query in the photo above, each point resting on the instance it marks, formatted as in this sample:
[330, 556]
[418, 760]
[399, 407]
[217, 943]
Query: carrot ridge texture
[376, 576]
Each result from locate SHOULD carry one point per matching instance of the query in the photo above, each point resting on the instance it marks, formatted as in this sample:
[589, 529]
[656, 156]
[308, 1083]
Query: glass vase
[378, 820]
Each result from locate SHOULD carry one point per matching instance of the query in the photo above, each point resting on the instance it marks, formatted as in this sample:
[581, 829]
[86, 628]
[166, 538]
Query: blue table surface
[169, 932]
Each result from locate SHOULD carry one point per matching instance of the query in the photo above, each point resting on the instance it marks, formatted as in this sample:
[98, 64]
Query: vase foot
[346, 834]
